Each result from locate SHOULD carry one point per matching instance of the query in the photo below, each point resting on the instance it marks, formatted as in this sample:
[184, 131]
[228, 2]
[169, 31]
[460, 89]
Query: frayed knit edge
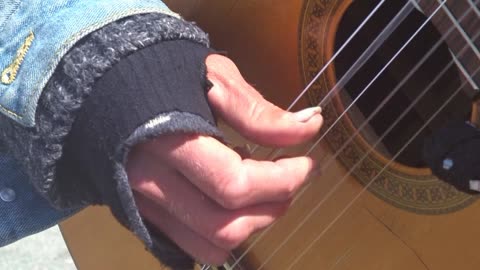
[166, 123]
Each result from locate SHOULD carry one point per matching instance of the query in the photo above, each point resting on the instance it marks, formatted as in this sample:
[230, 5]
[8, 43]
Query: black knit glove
[118, 86]
[129, 104]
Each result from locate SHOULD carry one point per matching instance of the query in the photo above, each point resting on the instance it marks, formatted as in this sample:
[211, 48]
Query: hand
[205, 196]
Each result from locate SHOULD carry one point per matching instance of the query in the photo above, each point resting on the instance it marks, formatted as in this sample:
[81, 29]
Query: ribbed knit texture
[40, 148]
[157, 90]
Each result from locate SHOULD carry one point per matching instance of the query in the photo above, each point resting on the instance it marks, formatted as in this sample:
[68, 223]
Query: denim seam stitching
[90, 28]
[13, 11]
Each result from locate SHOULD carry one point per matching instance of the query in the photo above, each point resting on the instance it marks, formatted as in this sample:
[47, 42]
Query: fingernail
[307, 114]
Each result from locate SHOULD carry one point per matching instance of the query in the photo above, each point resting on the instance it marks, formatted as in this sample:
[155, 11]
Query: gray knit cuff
[39, 148]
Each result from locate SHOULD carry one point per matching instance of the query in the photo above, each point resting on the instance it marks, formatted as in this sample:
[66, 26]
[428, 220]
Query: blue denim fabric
[28, 213]
[51, 27]
[56, 26]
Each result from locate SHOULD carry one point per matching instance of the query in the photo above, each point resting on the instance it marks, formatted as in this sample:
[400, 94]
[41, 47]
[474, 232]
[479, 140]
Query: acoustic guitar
[388, 74]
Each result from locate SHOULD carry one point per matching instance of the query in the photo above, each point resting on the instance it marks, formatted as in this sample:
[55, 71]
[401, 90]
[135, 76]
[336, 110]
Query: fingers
[224, 228]
[250, 114]
[192, 243]
[232, 182]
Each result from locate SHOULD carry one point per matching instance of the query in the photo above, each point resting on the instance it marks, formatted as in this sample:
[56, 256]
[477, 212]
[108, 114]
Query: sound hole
[397, 71]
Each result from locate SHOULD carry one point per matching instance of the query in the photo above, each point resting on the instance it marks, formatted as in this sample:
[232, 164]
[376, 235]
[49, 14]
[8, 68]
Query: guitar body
[406, 219]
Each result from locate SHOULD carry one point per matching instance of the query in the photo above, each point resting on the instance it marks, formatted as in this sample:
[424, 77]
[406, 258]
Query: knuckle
[230, 203]
[235, 191]
[232, 83]
[232, 236]
[291, 184]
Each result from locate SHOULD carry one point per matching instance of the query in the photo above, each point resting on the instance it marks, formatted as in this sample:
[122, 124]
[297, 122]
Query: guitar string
[424, 58]
[404, 81]
[340, 182]
[395, 22]
[407, 8]
[258, 238]
[366, 55]
[369, 52]
[400, 151]
[461, 31]
[350, 38]
[332, 158]
[474, 7]
[347, 207]
[455, 22]
[276, 152]
[307, 87]
[318, 75]
[417, 66]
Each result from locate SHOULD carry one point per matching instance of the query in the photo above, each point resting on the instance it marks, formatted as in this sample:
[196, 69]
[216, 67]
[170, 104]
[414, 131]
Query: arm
[77, 153]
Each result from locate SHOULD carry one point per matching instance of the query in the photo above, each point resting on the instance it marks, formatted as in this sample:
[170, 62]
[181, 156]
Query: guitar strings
[240, 258]
[360, 27]
[396, 21]
[307, 87]
[326, 65]
[365, 55]
[332, 158]
[461, 31]
[399, 118]
[386, 99]
[362, 60]
[474, 7]
[373, 180]
[399, 152]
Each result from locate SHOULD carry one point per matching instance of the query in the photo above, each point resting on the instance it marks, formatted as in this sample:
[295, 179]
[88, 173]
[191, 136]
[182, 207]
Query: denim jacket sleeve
[22, 210]
[36, 34]
[36, 119]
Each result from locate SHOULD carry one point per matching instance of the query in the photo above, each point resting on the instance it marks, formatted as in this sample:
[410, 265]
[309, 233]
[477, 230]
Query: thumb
[243, 108]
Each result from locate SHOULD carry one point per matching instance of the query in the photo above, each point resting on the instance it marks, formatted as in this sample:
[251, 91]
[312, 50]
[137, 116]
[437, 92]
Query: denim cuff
[39, 149]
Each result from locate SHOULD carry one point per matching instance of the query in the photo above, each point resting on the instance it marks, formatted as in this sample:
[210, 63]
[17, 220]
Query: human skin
[205, 196]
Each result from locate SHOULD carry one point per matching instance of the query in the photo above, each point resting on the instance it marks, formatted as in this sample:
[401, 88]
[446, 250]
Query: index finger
[250, 114]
